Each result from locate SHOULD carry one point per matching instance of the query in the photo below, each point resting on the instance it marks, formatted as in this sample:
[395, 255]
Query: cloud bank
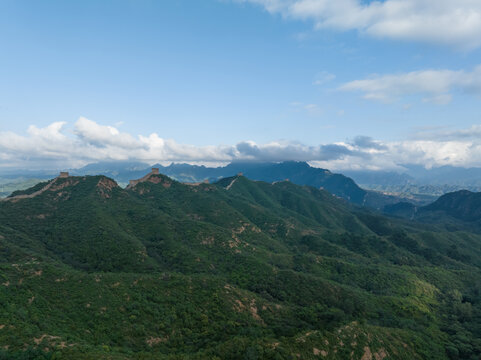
[435, 85]
[55, 147]
[447, 22]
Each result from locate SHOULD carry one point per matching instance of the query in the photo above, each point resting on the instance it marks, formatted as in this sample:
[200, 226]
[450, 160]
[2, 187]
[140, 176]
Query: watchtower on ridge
[132, 183]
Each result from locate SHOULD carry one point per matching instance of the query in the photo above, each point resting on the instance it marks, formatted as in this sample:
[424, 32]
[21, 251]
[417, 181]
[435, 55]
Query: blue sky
[199, 78]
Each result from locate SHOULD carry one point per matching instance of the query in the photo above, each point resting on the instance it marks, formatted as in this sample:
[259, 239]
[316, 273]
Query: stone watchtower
[132, 183]
[63, 174]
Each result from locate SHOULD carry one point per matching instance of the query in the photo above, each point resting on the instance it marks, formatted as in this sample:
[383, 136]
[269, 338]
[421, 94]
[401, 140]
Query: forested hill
[238, 269]
[464, 205]
[461, 209]
[300, 173]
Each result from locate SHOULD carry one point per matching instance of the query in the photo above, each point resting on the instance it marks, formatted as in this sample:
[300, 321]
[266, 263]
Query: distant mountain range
[374, 189]
[297, 172]
[418, 181]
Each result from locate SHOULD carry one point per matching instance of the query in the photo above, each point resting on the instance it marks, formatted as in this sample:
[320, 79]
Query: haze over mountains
[418, 180]
[455, 209]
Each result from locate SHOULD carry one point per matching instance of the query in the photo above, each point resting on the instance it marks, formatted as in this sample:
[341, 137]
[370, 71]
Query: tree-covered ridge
[464, 205]
[236, 269]
[459, 210]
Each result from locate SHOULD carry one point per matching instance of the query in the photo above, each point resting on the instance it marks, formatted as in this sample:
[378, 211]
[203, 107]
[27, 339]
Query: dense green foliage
[233, 270]
[464, 205]
[8, 186]
[459, 210]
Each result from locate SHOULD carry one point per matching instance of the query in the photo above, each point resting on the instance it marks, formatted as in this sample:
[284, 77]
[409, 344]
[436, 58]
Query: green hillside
[455, 211]
[463, 205]
[233, 270]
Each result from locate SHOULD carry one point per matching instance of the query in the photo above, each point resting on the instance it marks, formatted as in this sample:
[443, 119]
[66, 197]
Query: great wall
[132, 183]
[62, 175]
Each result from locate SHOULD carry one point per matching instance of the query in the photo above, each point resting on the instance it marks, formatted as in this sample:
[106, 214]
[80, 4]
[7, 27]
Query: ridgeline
[237, 269]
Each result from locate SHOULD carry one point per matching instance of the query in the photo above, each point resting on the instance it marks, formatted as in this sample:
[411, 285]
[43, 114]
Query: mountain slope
[299, 173]
[459, 209]
[464, 205]
[235, 269]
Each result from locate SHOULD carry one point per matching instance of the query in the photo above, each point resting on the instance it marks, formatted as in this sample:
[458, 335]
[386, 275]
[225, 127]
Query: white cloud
[435, 85]
[55, 147]
[311, 109]
[323, 77]
[90, 141]
[442, 134]
[103, 136]
[441, 99]
[314, 110]
[428, 153]
[450, 22]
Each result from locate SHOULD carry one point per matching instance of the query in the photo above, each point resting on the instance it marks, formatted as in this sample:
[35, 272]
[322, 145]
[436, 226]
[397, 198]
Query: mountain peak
[61, 187]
